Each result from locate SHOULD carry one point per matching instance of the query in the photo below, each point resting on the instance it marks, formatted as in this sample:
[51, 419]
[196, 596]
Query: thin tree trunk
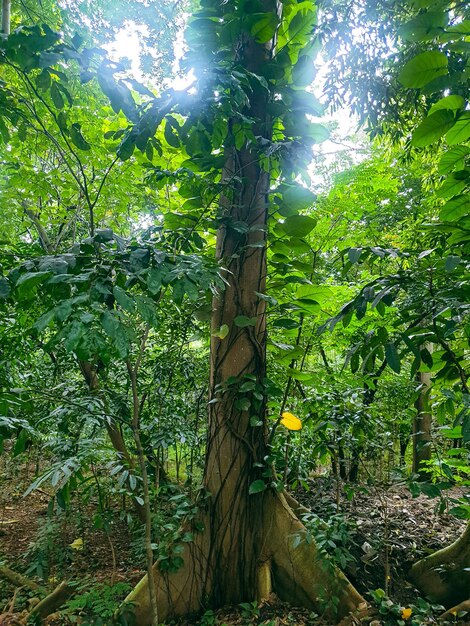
[114, 434]
[422, 424]
[6, 14]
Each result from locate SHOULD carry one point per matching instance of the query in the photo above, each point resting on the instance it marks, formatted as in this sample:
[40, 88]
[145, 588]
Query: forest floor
[379, 532]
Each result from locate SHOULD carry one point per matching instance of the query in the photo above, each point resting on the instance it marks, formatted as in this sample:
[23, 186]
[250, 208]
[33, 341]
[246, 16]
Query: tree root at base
[444, 576]
[451, 613]
[287, 565]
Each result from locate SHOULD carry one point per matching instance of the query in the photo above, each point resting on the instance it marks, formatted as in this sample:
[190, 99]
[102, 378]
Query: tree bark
[6, 12]
[444, 576]
[422, 425]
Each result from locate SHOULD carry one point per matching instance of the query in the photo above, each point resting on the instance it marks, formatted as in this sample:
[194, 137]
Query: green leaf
[169, 133]
[298, 225]
[299, 375]
[242, 321]
[455, 208]
[433, 128]
[392, 358]
[462, 28]
[124, 301]
[154, 280]
[117, 332]
[77, 138]
[303, 71]
[424, 27]
[146, 308]
[451, 187]
[296, 197]
[56, 96]
[423, 68]
[27, 283]
[72, 335]
[126, 147]
[286, 322]
[43, 81]
[198, 144]
[460, 131]
[62, 120]
[264, 29]
[4, 288]
[452, 103]
[256, 487]
[354, 254]
[452, 262]
[318, 132]
[453, 159]
[44, 321]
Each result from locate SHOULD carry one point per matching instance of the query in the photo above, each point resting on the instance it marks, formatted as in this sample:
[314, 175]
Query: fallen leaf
[77, 544]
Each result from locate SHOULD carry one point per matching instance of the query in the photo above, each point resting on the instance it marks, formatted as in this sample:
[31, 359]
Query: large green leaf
[77, 138]
[451, 187]
[452, 103]
[264, 29]
[433, 128]
[455, 208]
[298, 225]
[27, 283]
[460, 131]
[453, 159]
[392, 358]
[424, 26]
[256, 487]
[303, 71]
[4, 288]
[125, 301]
[318, 132]
[423, 68]
[296, 197]
[198, 144]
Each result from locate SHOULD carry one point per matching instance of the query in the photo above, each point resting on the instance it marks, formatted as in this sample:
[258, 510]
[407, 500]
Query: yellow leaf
[406, 613]
[290, 421]
[77, 544]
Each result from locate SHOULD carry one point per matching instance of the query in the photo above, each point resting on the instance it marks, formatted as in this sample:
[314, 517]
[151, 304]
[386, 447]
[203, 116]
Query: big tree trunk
[247, 547]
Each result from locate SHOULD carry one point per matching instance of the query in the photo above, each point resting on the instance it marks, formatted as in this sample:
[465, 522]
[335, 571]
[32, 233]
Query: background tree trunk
[6, 12]
[422, 425]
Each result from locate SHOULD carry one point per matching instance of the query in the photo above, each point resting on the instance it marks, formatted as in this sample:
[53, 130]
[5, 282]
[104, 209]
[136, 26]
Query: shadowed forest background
[234, 332]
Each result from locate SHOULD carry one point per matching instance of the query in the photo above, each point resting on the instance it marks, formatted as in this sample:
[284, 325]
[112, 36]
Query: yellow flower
[406, 613]
[290, 421]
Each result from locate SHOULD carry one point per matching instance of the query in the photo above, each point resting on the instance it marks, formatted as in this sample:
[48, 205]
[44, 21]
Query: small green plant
[393, 614]
[208, 618]
[97, 606]
[47, 555]
[249, 610]
[333, 537]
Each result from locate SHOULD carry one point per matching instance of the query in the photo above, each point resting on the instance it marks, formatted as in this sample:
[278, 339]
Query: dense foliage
[112, 192]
